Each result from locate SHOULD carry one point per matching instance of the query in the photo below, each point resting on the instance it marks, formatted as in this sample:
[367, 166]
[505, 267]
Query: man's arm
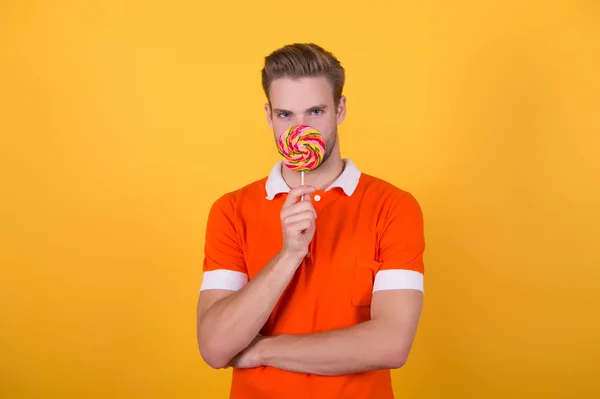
[386, 339]
[227, 321]
[384, 342]
[231, 311]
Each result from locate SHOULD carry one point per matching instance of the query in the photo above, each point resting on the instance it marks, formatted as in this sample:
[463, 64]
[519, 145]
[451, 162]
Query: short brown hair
[300, 60]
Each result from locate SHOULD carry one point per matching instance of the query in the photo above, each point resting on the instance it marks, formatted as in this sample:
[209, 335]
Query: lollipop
[302, 148]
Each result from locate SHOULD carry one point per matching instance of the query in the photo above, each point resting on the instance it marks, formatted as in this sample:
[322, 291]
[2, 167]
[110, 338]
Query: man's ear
[269, 115]
[341, 110]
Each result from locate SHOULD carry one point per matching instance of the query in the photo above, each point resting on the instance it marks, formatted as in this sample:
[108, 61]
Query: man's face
[305, 101]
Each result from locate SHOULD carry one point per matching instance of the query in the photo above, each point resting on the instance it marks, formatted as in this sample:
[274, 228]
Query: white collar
[347, 181]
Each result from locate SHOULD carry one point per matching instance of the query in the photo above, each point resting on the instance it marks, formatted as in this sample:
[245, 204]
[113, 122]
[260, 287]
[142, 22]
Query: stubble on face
[330, 142]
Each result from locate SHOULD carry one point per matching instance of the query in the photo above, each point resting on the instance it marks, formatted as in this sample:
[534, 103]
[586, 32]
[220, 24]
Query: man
[317, 298]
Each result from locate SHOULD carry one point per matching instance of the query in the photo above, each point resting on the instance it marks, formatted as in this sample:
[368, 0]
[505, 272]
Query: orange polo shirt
[368, 237]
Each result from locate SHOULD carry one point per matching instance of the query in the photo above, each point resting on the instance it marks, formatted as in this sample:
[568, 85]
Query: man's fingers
[296, 217]
[295, 193]
[299, 207]
[300, 226]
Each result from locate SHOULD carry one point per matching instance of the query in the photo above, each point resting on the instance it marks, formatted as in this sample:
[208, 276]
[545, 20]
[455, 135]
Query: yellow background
[121, 122]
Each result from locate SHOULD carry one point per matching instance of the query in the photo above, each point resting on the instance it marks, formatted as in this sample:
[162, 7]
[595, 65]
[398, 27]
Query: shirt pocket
[362, 282]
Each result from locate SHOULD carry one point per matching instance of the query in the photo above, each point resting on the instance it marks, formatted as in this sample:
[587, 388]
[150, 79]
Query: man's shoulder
[395, 210]
[248, 193]
[377, 186]
[384, 195]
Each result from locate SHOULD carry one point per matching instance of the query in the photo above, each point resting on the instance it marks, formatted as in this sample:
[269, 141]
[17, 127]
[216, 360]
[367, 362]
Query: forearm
[363, 347]
[231, 323]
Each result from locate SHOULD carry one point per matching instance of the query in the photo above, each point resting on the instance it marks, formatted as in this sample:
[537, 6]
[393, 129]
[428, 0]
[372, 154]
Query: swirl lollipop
[302, 148]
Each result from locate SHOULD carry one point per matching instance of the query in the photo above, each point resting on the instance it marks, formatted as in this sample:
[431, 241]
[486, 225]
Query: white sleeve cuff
[223, 280]
[397, 279]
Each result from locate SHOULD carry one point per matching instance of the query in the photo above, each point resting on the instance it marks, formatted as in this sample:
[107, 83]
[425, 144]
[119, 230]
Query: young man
[317, 298]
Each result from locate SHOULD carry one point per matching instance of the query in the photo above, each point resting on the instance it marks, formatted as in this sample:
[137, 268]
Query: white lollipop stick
[302, 183]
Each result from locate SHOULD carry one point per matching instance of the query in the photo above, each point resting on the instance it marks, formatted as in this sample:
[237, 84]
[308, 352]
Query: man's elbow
[215, 362]
[396, 357]
[212, 353]
[213, 357]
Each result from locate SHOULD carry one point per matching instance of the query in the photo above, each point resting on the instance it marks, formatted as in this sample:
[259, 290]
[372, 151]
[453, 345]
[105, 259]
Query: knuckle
[306, 206]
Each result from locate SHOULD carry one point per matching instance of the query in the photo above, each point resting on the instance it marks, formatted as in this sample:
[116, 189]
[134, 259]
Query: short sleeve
[223, 266]
[402, 244]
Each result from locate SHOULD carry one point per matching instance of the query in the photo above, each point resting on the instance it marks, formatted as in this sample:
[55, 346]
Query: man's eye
[317, 111]
[283, 115]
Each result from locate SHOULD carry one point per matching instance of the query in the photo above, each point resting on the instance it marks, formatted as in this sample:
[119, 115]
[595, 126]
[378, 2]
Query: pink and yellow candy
[302, 148]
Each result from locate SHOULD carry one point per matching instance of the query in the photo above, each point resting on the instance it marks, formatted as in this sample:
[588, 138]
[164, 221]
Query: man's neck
[321, 178]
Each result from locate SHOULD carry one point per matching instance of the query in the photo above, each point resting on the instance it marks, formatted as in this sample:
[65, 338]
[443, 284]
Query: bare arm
[228, 321]
[384, 342]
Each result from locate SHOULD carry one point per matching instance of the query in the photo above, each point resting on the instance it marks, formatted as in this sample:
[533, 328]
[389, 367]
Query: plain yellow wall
[122, 121]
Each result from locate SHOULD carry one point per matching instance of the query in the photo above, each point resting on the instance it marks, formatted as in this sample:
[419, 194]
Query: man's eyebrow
[282, 111]
[285, 111]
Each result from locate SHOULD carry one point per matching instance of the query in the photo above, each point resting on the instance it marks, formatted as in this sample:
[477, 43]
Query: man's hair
[301, 60]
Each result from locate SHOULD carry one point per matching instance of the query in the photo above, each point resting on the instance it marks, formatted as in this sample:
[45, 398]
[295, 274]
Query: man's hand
[297, 222]
[249, 357]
